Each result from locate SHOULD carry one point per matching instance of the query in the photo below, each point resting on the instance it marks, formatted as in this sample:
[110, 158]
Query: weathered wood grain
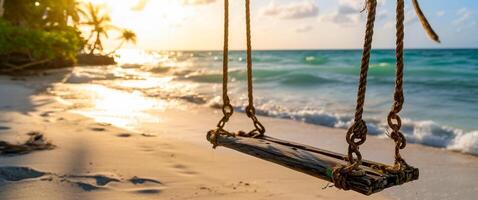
[316, 162]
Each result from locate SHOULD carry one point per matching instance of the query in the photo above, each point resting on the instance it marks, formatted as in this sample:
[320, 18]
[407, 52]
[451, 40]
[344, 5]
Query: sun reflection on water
[135, 91]
[139, 57]
[142, 58]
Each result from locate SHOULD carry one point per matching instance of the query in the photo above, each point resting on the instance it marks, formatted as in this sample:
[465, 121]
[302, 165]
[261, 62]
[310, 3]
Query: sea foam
[426, 132]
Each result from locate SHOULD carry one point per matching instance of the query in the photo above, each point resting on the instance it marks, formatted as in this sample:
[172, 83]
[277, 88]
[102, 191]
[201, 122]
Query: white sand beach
[151, 151]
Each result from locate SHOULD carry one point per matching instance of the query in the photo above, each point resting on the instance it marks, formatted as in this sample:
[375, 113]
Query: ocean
[317, 87]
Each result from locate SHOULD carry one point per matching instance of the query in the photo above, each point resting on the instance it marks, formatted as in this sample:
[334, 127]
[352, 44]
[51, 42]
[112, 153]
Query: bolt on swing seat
[348, 172]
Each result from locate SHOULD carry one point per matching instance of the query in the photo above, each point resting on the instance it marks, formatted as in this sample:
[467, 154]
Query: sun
[147, 18]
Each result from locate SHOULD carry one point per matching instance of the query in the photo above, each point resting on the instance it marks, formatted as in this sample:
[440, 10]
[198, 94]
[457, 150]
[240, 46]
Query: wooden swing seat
[316, 162]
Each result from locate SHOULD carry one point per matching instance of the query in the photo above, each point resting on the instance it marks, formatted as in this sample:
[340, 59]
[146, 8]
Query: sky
[288, 24]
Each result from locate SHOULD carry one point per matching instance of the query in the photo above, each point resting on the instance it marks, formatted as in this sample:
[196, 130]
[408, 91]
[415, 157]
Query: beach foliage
[34, 32]
[24, 46]
[47, 14]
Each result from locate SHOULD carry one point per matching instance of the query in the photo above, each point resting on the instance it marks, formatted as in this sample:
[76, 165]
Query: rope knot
[339, 178]
[250, 111]
[227, 110]
[399, 139]
[394, 121]
[342, 173]
[357, 133]
[259, 128]
[212, 136]
[252, 134]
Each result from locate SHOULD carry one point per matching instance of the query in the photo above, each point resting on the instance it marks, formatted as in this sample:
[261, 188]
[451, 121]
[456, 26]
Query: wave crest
[427, 133]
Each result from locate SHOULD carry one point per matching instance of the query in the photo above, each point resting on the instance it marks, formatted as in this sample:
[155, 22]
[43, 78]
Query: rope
[393, 119]
[425, 24]
[357, 133]
[225, 56]
[249, 55]
[227, 108]
[358, 130]
[259, 129]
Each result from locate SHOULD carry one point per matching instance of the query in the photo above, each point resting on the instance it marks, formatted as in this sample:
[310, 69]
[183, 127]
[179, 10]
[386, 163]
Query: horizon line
[319, 49]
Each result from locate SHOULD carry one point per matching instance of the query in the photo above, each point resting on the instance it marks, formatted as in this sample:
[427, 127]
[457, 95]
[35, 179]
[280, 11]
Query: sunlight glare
[158, 17]
[135, 56]
[122, 109]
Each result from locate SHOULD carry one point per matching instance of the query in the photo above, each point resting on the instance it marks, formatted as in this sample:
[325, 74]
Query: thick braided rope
[425, 24]
[359, 130]
[249, 54]
[227, 108]
[357, 133]
[393, 117]
[250, 110]
[225, 56]
[400, 34]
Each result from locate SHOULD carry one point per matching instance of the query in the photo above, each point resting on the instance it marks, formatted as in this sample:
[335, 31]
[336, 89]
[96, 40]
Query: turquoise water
[319, 87]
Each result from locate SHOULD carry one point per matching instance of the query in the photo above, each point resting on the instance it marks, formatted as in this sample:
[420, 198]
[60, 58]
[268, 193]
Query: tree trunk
[2, 11]
[96, 43]
[21, 67]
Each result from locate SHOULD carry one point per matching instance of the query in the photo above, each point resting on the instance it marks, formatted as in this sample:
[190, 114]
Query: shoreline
[175, 151]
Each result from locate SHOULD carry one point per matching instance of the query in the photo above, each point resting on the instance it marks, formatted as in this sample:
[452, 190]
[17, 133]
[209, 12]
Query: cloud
[196, 2]
[304, 28]
[140, 5]
[349, 13]
[340, 19]
[440, 13]
[464, 15]
[464, 20]
[296, 10]
[410, 18]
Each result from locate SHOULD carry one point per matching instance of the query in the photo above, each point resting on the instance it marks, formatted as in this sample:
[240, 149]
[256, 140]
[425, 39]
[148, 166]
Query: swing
[347, 172]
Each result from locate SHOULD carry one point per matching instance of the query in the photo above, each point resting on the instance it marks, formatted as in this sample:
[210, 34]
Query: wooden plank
[315, 162]
[367, 163]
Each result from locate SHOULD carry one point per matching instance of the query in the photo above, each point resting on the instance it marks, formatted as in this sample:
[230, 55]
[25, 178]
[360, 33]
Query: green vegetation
[42, 14]
[46, 33]
[23, 47]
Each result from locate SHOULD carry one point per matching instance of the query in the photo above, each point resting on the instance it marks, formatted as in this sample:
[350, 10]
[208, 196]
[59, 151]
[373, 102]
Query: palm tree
[100, 25]
[127, 36]
[73, 11]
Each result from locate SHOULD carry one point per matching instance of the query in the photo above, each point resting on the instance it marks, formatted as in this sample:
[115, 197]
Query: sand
[169, 158]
